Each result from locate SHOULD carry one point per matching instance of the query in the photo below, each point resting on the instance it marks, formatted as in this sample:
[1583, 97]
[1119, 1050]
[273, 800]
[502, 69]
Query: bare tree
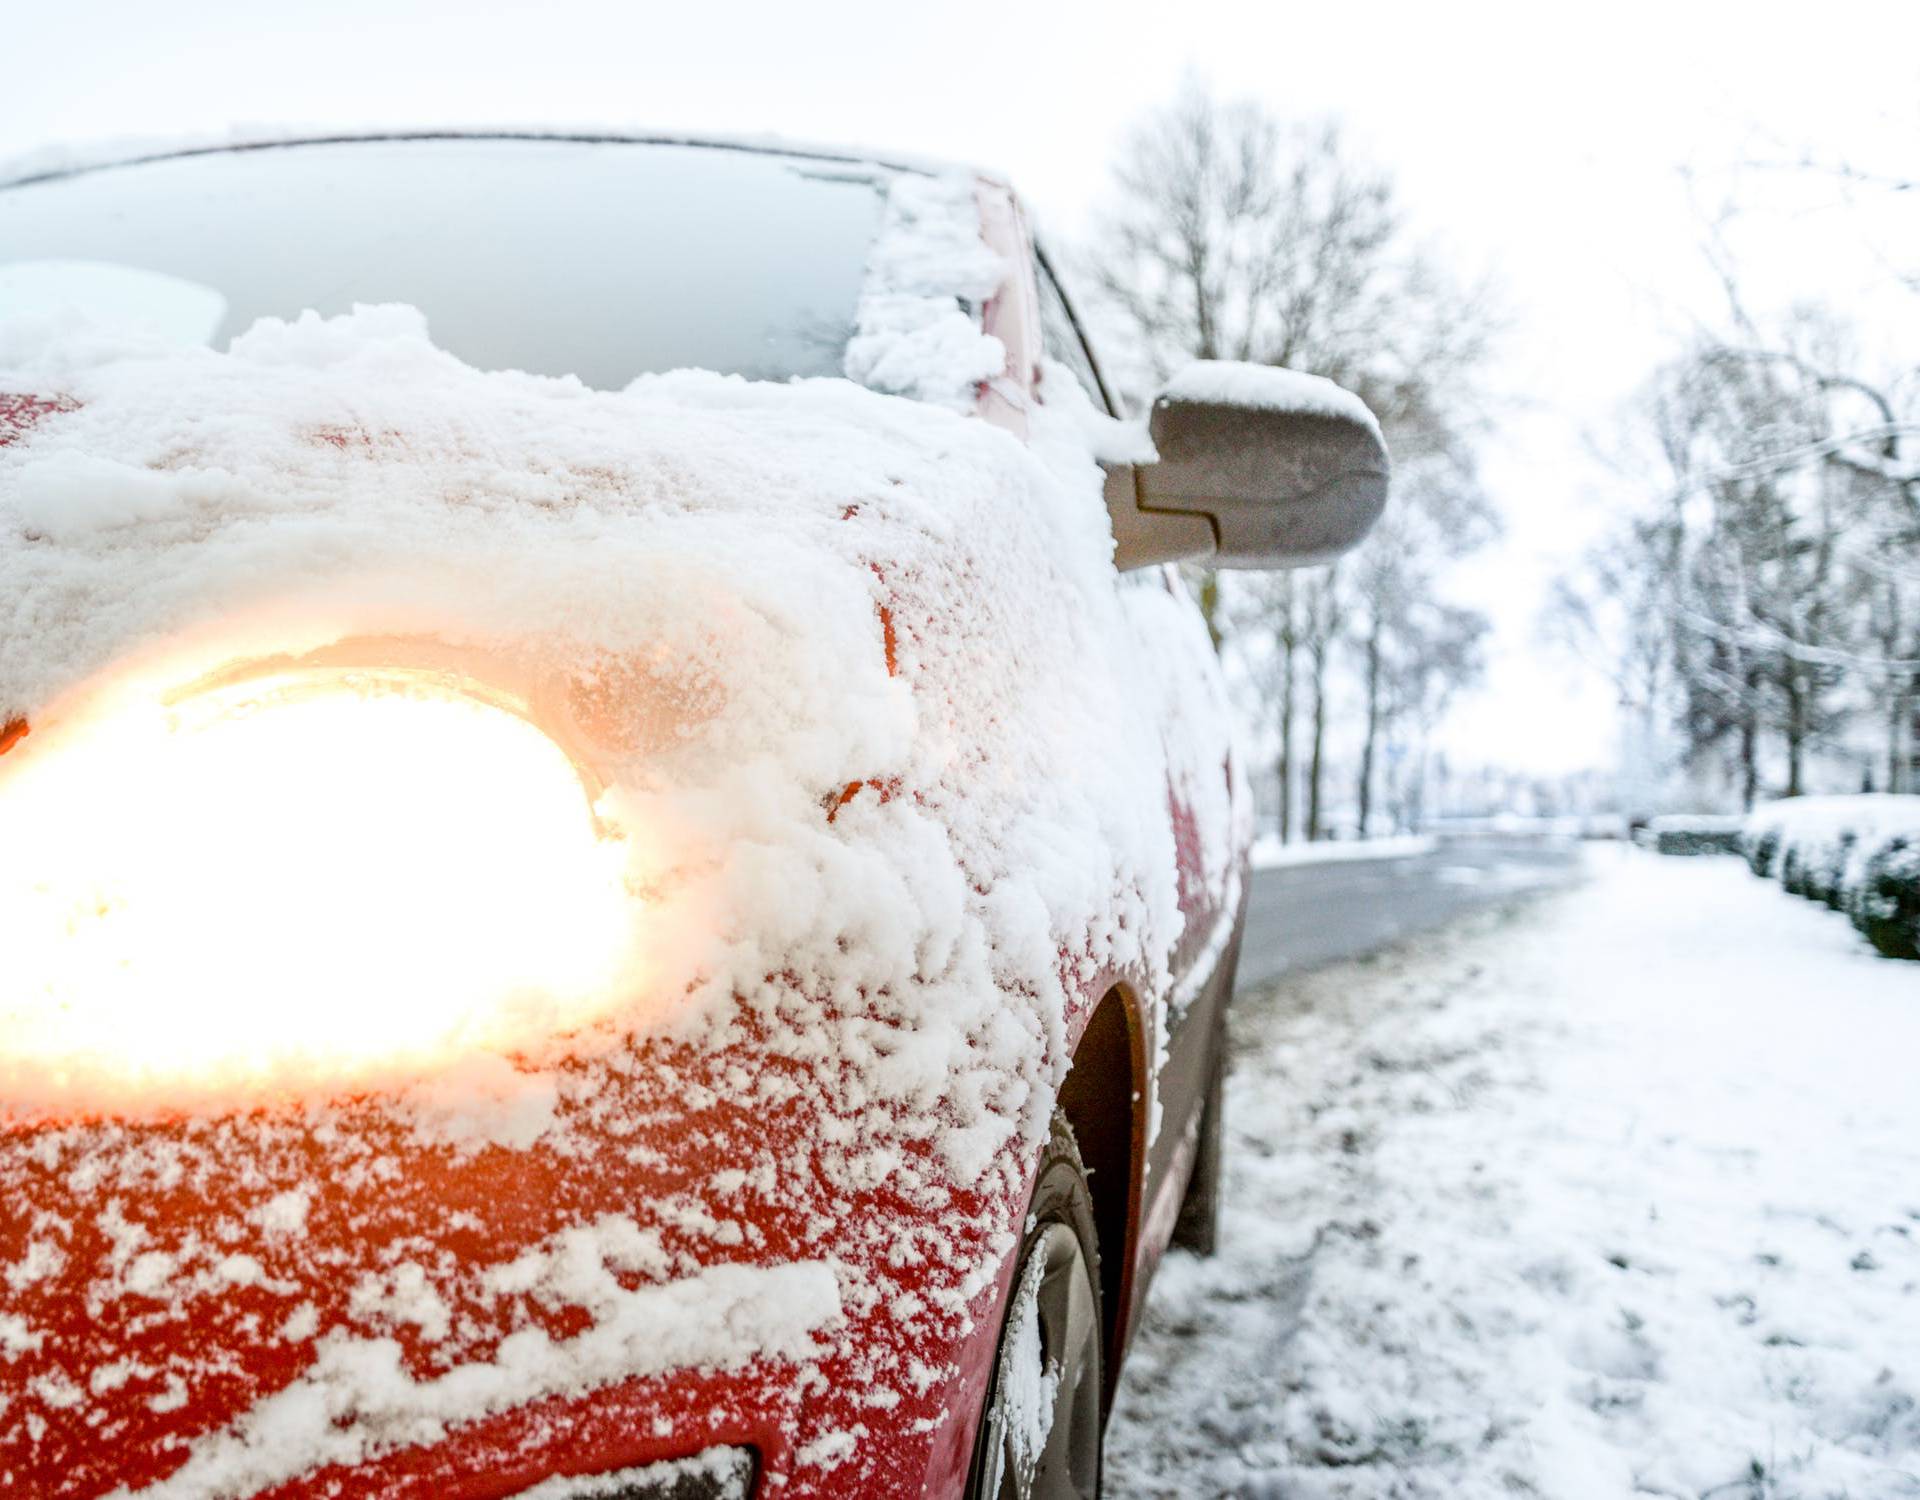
[1766, 588]
[1771, 575]
[1286, 622]
[1445, 654]
[1232, 234]
[1439, 515]
[1324, 612]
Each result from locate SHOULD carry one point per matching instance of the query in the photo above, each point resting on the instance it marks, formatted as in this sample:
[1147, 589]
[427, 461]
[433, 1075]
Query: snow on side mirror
[1286, 469]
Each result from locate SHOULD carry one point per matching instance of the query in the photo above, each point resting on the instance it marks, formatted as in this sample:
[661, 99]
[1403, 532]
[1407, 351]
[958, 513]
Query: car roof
[66, 161]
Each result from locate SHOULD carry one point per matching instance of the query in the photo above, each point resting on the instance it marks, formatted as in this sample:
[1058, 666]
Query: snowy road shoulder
[1270, 854]
[1619, 1195]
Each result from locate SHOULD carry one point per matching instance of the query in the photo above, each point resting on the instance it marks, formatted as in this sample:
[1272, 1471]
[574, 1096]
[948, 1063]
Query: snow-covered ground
[1269, 853]
[1615, 1195]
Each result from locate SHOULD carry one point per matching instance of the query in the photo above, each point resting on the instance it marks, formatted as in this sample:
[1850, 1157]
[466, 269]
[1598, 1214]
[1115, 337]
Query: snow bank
[1859, 855]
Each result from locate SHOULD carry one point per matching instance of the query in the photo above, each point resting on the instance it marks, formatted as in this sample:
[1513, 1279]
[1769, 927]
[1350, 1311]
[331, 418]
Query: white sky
[1541, 139]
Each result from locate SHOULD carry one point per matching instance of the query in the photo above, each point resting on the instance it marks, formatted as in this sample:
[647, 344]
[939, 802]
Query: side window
[1060, 336]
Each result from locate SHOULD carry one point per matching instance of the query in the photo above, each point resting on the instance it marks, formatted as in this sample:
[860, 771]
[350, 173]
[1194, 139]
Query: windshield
[604, 260]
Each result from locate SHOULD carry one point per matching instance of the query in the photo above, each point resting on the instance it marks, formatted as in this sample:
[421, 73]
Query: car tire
[1198, 1227]
[1040, 1430]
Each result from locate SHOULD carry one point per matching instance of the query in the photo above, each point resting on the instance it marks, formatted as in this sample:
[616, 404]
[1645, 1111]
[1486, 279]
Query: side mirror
[1283, 468]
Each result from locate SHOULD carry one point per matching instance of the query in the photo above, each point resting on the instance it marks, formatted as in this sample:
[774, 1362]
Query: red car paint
[660, 1127]
[20, 410]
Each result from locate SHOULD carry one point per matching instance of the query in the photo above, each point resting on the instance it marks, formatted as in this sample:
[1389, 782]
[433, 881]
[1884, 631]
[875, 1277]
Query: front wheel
[1040, 1437]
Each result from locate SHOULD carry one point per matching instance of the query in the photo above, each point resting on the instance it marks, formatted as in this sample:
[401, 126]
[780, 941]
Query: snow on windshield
[148, 304]
[725, 545]
[918, 321]
[598, 259]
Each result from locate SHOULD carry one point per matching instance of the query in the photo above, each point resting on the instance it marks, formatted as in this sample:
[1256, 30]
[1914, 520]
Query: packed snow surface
[1619, 1196]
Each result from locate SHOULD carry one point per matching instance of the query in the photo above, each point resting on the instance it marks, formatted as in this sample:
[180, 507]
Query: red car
[576, 924]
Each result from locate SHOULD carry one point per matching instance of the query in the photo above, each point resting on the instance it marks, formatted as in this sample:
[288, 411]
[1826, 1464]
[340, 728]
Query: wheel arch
[1104, 1098]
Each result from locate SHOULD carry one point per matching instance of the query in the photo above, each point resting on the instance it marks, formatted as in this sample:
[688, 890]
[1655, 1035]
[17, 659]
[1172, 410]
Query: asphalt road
[1301, 916]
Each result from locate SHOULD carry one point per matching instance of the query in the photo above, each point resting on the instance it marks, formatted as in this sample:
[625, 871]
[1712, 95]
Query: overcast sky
[1542, 141]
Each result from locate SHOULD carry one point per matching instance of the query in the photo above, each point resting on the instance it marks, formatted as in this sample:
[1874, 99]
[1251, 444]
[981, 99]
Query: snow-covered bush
[1691, 833]
[1760, 848]
[1860, 855]
[1885, 905]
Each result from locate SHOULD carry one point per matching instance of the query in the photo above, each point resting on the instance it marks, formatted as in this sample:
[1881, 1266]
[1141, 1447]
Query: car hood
[844, 669]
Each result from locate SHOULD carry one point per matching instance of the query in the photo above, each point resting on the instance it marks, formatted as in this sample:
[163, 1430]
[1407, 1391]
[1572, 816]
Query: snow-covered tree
[1233, 234]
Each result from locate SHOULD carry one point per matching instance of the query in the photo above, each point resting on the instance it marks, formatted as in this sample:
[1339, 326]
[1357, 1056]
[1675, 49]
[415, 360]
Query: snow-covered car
[620, 856]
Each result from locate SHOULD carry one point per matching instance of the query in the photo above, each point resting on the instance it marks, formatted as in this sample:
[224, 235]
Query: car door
[1181, 686]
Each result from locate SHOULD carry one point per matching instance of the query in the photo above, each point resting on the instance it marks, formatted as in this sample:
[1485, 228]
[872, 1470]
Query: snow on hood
[856, 605]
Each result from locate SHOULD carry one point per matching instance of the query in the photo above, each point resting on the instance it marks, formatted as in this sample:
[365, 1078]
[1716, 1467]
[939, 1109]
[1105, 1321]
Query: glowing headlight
[309, 876]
